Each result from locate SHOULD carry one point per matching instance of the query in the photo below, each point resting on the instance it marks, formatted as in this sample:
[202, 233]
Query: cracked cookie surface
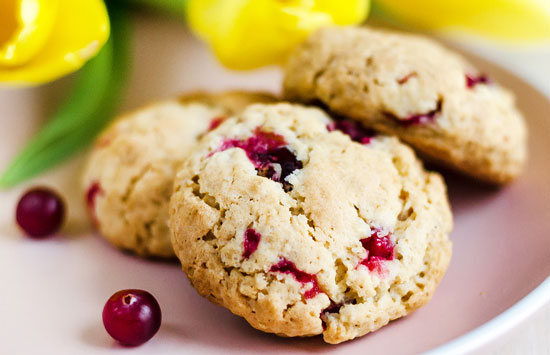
[129, 176]
[334, 236]
[414, 88]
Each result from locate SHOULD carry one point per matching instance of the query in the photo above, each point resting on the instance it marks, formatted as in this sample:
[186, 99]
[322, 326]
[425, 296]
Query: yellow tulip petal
[80, 29]
[503, 19]
[345, 12]
[247, 34]
[26, 26]
[208, 17]
[265, 32]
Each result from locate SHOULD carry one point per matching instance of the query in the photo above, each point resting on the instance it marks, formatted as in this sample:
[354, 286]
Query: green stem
[95, 96]
[173, 7]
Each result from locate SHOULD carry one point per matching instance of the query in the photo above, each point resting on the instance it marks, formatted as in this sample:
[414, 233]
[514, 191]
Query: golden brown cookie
[129, 176]
[414, 88]
[303, 230]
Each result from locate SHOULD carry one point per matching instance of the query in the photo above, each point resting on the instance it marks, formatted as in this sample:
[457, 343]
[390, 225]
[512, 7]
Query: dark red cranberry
[419, 119]
[251, 241]
[132, 317]
[40, 212]
[473, 80]
[379, 248]
[334, 308]
[215, 122]
[286, 266]
[277, 165]
[269, 154]
[354, 130]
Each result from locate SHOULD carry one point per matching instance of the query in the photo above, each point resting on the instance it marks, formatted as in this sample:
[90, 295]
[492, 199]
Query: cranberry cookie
[129, 176]
[302, 230]
[414, 88]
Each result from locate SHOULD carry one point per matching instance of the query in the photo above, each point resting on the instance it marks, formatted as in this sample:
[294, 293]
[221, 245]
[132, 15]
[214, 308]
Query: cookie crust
[412, 87]
[291, 260]
[129, 176]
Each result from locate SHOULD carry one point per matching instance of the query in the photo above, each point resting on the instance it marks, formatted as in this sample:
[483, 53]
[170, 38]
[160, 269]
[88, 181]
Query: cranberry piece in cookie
[420, 119]
[215, 122]
[250, 243]
[91, 195]
[269, 154]
[379, 248]
[354, 130]
[286, 266]
[473, 80]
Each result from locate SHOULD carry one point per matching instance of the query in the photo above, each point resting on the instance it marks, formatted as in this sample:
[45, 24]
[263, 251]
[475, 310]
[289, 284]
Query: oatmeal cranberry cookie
[129, 176]
[414, 88]
[303, 230]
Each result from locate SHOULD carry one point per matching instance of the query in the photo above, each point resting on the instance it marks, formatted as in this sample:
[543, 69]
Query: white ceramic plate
[53, 291]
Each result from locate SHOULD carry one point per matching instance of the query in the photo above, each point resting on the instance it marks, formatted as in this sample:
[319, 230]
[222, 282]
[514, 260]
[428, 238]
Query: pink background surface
[53, 291]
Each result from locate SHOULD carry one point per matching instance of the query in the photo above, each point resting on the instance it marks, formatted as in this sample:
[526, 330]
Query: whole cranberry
[132, 317]
[40, 212]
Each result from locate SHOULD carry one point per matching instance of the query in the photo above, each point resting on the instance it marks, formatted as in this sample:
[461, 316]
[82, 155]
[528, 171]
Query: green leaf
[95, 97]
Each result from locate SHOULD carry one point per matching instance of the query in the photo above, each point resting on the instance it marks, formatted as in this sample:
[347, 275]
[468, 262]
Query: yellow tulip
[501, 19]
[247, 34]
[42, 40]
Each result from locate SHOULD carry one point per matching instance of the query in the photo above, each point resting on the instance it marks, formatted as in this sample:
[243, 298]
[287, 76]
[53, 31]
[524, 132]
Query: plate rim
[533, 301]
[499, 325]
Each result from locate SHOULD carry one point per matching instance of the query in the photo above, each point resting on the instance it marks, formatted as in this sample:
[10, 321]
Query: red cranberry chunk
[91, 195]
[251, 241]
[419, 119]
[277, 165]
[379, 248]
[354, 130]
[93, 191]
[269, 154]
[40, 212]
[132, 317]
[215, 122]
[286, 266]
[334, 307]
[473, 80]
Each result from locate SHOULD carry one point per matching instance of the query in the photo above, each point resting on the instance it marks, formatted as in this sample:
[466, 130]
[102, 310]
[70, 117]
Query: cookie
[129, 176]
[412, 87]
[302, 229]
